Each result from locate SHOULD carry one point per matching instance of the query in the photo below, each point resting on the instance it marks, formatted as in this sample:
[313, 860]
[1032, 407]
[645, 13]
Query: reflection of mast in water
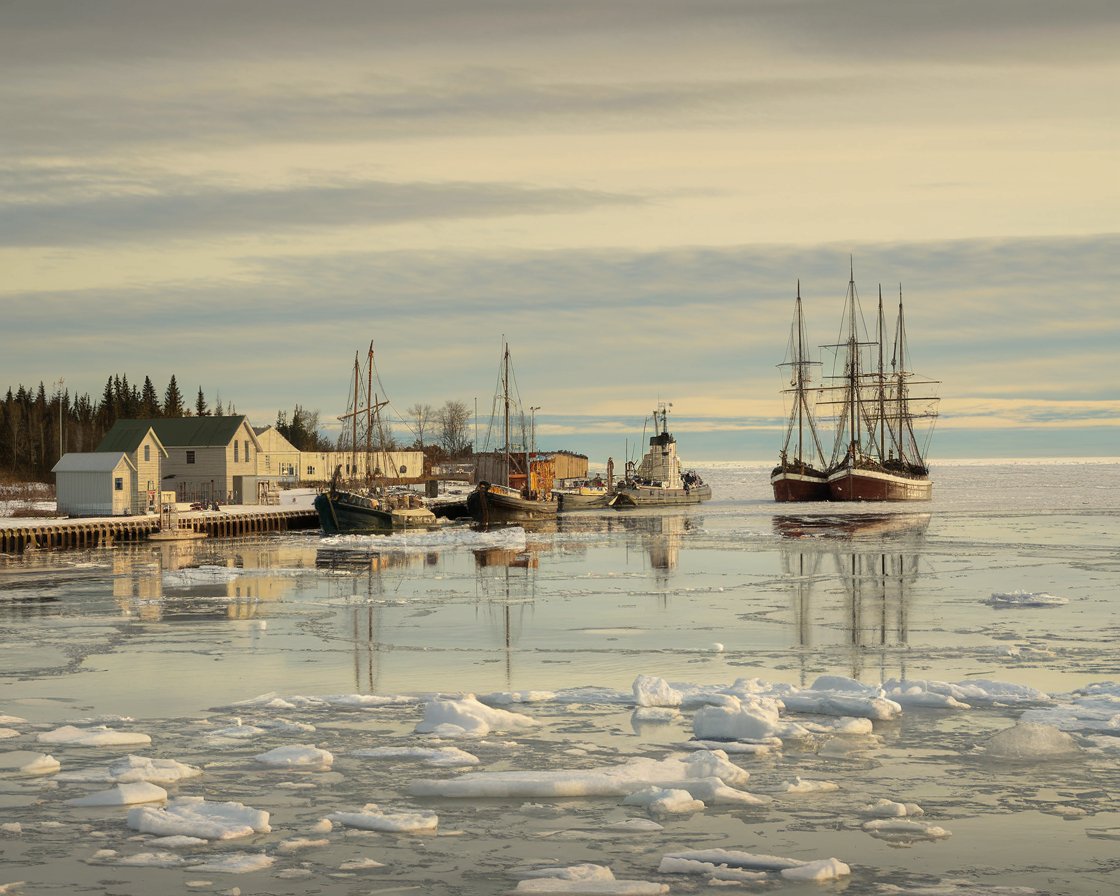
[877, 583]
[507, 560]
[801, 569]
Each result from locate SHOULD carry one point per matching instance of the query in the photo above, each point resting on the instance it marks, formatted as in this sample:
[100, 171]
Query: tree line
[37, 427]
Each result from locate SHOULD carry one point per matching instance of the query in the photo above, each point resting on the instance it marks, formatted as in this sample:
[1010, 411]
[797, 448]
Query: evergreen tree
[172, 400]
[200, 404]
[149, 401]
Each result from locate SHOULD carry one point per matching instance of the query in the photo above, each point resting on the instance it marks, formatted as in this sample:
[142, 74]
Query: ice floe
[97, 736]
[297, 756]
[586, 879]
[123, 795]
[194, 816]
[1025, 599]
[372, 818]
[904, 829]
[447, 757]
[466, 716]
[616, 780]
[734, 865]
[41, 764]
[131, 769]
[1031, 741]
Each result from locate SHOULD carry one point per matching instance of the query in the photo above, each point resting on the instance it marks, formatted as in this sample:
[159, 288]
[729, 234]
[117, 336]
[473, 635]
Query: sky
[245, 194]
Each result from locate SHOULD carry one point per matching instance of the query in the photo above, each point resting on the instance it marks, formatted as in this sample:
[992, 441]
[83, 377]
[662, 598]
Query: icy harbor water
[794, 699]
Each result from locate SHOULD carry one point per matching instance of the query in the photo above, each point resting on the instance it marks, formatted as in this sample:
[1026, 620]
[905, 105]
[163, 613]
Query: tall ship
[802, 471]
[878, 454]
[658, 480]
[360, 502]
[522, 494]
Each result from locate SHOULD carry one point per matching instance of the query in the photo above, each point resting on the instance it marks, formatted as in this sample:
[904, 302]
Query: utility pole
[60, 430]
[533, 427]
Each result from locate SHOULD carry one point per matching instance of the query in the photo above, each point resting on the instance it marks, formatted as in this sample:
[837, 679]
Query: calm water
[170, 636]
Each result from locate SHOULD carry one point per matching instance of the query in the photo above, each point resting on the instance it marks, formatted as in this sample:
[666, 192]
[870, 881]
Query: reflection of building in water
[191, 579]
[871, 561]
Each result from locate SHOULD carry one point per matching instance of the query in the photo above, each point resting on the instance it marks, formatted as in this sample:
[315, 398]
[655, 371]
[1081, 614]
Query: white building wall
[93, 493]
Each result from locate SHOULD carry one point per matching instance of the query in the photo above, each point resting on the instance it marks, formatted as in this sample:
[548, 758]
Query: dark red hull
[877, 484]
[792, 485]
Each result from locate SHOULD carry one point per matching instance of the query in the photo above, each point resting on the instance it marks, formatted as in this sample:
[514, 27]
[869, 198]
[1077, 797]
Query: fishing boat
[802, 476]
[344, 512]
[367, 505]
[876, 455]
[591, 494]
[523, 494]
[659, 481]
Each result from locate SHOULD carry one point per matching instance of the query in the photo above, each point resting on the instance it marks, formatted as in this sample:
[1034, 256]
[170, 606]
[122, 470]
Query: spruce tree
[172, 400]
[200, 408]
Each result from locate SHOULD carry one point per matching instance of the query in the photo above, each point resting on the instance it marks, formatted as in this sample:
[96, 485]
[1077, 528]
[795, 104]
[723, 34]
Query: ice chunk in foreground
[131, 769]
[123, 795]
[193, 816]
[42, 764]
[730, 858]
[98, 736]
[1031, 740]
[444, 757]
[371, 818]
[891, 809]
[754, 718]
[1025, 599]
[659, 801]
[820, 870]
[466, 716]
[298, 756]
[591, 880]
[235, 863]
[616, 780]
[802, 786]
[903, 829]
[649, 690]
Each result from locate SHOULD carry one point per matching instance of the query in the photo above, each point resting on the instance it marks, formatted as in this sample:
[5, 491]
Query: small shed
[97, 483]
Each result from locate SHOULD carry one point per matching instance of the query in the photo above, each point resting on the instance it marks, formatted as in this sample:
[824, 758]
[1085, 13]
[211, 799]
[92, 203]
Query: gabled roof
[126, 435]
[185, 432]
[91, 462]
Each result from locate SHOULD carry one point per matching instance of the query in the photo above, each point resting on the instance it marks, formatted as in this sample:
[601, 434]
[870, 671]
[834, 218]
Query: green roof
[177, 432]
[126, 435]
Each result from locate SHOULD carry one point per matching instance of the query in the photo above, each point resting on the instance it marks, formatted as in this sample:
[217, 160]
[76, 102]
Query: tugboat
[658, 480]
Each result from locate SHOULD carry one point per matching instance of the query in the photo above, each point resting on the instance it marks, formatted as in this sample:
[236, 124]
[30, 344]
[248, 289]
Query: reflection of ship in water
[850, 525]
[861, 589]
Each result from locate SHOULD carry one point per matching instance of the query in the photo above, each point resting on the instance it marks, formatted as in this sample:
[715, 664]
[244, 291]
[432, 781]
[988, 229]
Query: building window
[190, 457]
[118, 484]
[310, 471]
[246, 451]
[236, 451]
[147, 453]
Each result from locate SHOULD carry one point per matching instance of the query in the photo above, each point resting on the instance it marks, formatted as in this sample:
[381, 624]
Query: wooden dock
[15, 538]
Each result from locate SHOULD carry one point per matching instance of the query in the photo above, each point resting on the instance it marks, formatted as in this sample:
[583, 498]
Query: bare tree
[454, 420]
[421, 418]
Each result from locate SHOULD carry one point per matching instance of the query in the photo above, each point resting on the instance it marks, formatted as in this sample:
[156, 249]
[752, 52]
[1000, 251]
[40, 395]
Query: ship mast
[882, 383]
[505, 394]
[853, 368]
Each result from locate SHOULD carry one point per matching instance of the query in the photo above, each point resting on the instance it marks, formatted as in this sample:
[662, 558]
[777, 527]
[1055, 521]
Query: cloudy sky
[245, 193]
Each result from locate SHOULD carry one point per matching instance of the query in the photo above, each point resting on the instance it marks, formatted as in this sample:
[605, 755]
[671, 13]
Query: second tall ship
[876, 453]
